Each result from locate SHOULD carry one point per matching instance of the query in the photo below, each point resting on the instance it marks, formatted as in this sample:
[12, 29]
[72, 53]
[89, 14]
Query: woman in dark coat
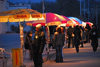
[59, 39]
[94, 38]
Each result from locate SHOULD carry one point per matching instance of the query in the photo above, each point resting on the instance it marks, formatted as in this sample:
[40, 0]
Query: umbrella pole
[48, 40]
[21, 35]
[21, 42]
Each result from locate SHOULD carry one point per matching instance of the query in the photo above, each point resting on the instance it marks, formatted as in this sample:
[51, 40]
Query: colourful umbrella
[89, 23]
[19, 15]
[76, 19]
[74, 22]
[54, 19]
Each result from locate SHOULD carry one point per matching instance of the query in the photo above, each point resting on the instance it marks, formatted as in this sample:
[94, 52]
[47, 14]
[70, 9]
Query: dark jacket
[94, 34]
[59, 39]
[28, 42]
[77, 35]
[38, 42]
[70, 31]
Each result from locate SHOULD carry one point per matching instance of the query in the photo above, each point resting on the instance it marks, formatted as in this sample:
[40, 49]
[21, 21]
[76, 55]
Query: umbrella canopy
[83, 24]
[19, 15]
[50, 19]
[68, 23]
[89, 23]
[74, 22]
[54, 19]
[76, 19]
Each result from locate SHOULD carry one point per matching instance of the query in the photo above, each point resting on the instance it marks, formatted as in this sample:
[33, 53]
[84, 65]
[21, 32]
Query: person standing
[94, 38]
[38, 46]
[28, 43]
[77, 37]
[59, 39]
[70, 37]
[87, 29]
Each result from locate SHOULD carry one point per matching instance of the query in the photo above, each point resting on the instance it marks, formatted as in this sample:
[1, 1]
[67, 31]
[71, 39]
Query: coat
[38, 42]
[28, 42]
[59, 39]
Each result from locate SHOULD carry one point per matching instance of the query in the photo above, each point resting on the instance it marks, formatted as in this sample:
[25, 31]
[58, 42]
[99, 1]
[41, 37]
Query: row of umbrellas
[33, 17]
[55, 19]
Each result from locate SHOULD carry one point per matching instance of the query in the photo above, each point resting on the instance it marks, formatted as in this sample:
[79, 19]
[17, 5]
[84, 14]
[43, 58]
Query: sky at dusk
[34, 1]
[37, 1]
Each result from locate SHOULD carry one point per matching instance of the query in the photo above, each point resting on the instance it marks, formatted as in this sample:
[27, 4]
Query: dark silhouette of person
[70, 37]
[94, 37]
[59, 39]
[77, 37]
[87, 29]
[28, 43]
[38, 46]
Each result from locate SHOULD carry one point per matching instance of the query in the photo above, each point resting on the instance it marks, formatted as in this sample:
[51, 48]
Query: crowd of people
[73, 36]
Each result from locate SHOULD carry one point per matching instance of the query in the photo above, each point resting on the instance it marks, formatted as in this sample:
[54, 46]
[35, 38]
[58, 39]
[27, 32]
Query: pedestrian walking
[77, 37]
[94, 37]
[87, 30]
[38, 46]
[59, 39]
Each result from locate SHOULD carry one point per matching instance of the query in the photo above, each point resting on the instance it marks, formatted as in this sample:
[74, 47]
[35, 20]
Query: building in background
[5, 5]
[90, 10]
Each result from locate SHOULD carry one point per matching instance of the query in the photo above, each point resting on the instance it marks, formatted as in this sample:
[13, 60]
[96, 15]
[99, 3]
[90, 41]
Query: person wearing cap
[38, 46]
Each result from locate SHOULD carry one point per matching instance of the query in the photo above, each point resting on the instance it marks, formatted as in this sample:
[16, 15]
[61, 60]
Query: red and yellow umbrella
[19, 15]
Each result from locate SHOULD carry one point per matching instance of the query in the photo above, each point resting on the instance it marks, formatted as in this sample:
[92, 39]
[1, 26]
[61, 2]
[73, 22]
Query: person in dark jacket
[38, 46]
[70, 37]
[87, 30]
[77, 37]
[28, 43]
[94, 38]
[59, 39]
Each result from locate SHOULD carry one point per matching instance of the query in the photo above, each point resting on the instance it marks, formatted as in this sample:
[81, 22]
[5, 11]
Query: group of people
[74, 35]
[79, 35]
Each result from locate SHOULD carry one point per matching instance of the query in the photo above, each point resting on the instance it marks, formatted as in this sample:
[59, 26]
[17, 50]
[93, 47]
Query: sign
[36, 15]
[17, 57]
[21, 16]
[54, 23]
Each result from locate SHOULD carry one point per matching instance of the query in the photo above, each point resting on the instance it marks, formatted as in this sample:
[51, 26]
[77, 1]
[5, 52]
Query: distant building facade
[90, 10]
[4, 5]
